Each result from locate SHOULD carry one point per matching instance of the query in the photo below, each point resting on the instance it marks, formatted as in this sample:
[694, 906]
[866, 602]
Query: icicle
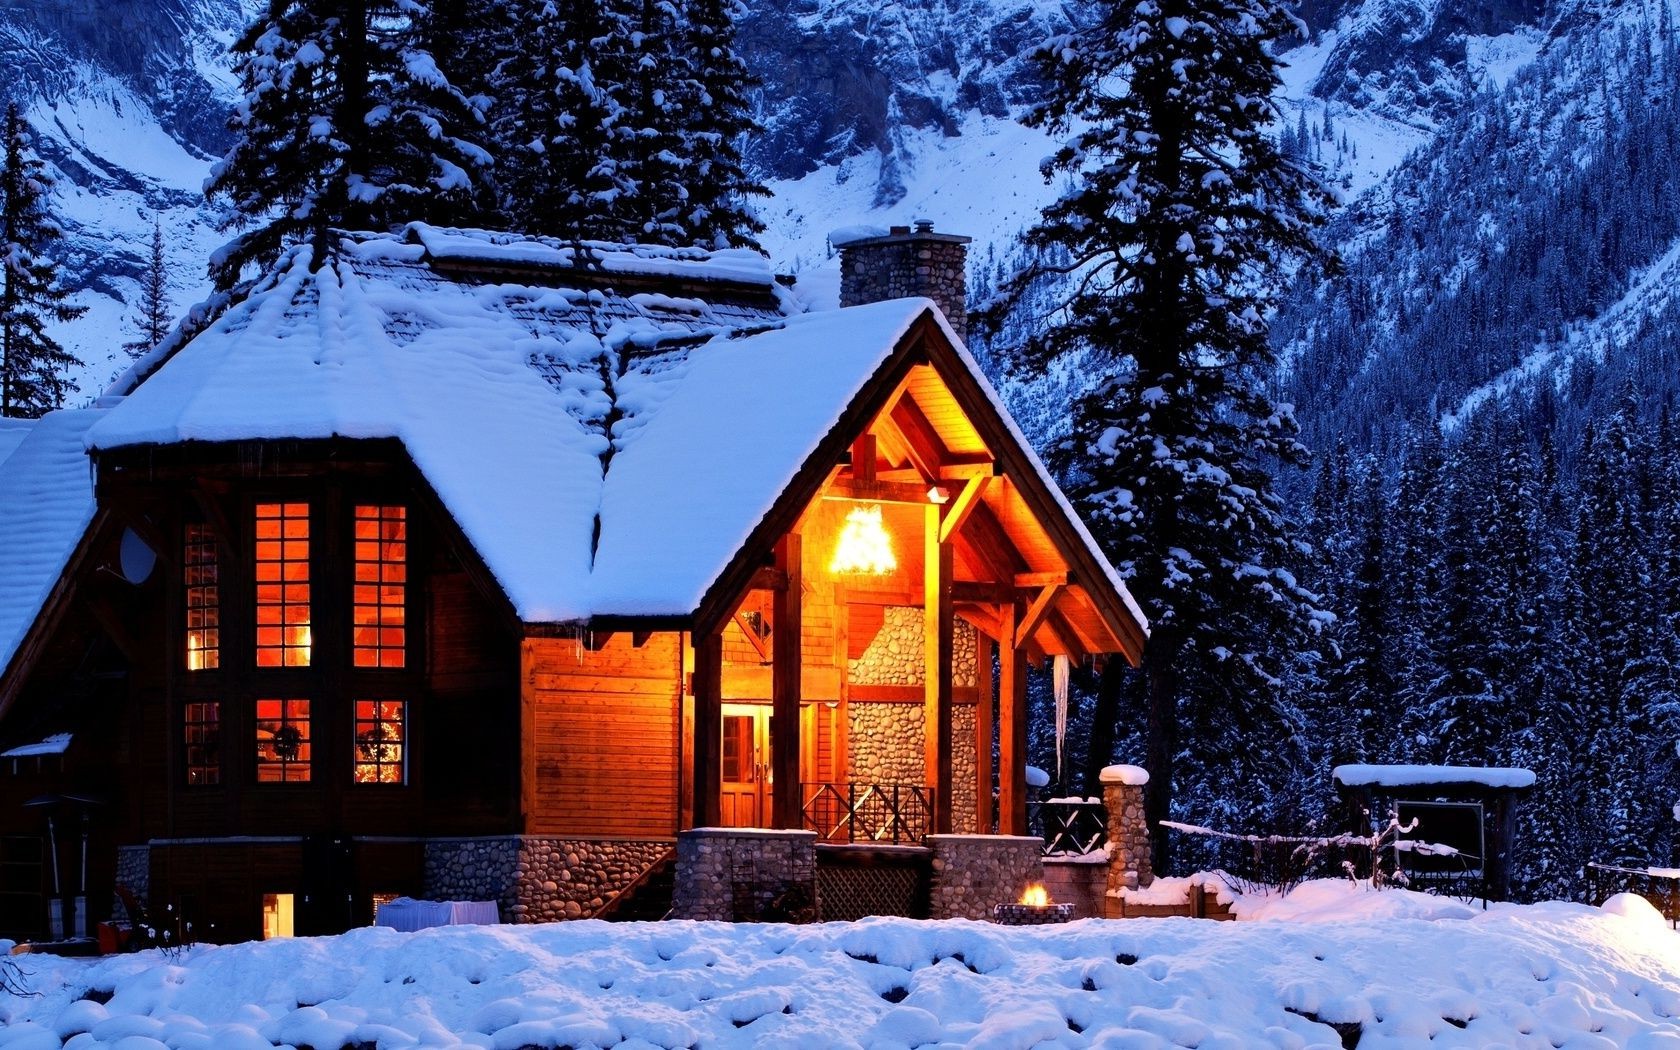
[1059, 671]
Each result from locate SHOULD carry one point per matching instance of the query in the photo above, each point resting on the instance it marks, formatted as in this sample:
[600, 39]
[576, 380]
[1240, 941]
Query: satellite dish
[137, 558]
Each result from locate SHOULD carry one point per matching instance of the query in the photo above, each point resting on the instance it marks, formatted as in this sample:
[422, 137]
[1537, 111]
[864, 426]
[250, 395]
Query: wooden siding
[601, 736]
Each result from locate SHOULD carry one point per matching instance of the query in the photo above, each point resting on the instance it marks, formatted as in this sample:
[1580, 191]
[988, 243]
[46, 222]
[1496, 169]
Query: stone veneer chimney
[908, 262]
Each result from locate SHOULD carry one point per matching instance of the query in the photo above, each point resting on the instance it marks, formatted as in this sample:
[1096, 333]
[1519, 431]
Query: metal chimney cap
[924, 225]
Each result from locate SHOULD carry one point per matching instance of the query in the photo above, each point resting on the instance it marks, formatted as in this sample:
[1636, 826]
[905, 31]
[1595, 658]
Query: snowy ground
[1390, 969]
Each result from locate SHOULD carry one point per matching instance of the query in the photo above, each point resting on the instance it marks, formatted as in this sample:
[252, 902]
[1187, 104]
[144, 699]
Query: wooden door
[745, 784]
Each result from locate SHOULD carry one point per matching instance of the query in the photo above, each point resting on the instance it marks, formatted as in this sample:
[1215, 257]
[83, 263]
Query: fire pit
[1033, 909]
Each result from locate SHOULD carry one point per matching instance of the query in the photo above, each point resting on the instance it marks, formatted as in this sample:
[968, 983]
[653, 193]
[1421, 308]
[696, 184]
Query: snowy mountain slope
[875, 112]
[1528, 239]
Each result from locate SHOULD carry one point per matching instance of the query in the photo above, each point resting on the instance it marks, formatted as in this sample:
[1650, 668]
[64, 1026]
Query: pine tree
[1180, 220]
[32, 363]
[561, 122]
[152, 321]
[346, 122]
[715, 111]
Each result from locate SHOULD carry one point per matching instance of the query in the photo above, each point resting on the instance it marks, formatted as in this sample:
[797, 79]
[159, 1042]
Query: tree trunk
[1161, 679]
[1105, 718]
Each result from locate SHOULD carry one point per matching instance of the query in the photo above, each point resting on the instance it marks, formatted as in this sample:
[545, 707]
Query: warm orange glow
[282, 566]
[1036, 896]
[379, 610]
[864, 545]
[203, 599]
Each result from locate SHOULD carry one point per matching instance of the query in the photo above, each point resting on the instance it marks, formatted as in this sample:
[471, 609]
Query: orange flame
[1036, 896]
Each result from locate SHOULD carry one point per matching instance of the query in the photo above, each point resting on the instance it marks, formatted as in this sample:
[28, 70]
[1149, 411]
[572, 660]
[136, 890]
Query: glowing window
[278, 913]
[379, 609]
[204, 616]
[282, 741]
[381, 732]
[203, 740]
[282, 585]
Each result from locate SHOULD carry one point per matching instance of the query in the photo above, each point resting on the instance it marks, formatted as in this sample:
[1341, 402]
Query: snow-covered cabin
[463, 566]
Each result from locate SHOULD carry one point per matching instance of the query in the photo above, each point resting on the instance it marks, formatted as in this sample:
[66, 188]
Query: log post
[1012, 728]
[708, 729]
[787, 623]
[937, 635]
[985, 712]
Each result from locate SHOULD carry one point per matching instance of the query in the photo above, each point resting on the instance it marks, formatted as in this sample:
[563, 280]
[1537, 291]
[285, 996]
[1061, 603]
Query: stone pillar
[1128, 833]
[746, 875]
[134, 871]
[908, 262]
[974, 873]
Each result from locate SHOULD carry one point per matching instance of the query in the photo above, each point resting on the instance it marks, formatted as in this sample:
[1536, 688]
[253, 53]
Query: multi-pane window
[203, 738]
[381, 733]
[379, 604]
[203, 599]
[282, 741]
[282, 567]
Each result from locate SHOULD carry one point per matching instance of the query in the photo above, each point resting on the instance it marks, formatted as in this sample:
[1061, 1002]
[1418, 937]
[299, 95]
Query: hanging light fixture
[864, 545]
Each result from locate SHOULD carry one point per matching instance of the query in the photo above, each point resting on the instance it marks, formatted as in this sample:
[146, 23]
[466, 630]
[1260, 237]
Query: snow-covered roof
[599, 459]
[46, 490]
[1356, 775]
[55, 744]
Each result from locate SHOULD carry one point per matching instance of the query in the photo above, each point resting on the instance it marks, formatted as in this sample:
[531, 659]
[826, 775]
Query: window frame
[404, 742]
[307, 742]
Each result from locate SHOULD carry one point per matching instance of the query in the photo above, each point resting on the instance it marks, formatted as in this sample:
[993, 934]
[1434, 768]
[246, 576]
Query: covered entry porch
[860, 672]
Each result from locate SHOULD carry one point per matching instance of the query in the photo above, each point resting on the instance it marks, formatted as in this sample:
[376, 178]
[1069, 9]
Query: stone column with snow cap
[1129, 864]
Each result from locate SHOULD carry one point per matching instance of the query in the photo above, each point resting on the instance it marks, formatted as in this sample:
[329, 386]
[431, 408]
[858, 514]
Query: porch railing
[1660, 886]
[879, 814]
[1069, 828]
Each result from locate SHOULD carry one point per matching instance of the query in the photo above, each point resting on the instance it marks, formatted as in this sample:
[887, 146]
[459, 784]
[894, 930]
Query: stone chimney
[908, 262]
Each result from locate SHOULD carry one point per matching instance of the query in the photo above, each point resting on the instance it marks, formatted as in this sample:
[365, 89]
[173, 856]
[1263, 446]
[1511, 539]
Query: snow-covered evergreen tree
[1181, 217]
[32, 363]
[715, 114]
[560, 119]
[346, 121]
[151, 322]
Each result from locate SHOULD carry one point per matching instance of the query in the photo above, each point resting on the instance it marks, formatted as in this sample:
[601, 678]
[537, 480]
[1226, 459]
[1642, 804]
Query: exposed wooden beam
[938, 645]
[111, 622]
[768, 579]
[787, 624]
[753, 639]
[985, 536]
[878, 491]
[1063, 634]
[957, 515]
[927, 452]
[1036, 612]
[1043, 579]
[981, 592]
[961, 470]
[863, 458]
[982, 619]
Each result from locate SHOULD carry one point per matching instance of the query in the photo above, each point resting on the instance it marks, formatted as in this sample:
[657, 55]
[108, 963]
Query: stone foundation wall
[134, 870]
[973, 873]
[536, 879]
[746, 875]
[1081, 883]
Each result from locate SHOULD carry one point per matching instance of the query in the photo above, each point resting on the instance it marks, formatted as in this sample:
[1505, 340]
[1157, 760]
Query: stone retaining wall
[536, 879]
[974, 873]
[746, 875]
